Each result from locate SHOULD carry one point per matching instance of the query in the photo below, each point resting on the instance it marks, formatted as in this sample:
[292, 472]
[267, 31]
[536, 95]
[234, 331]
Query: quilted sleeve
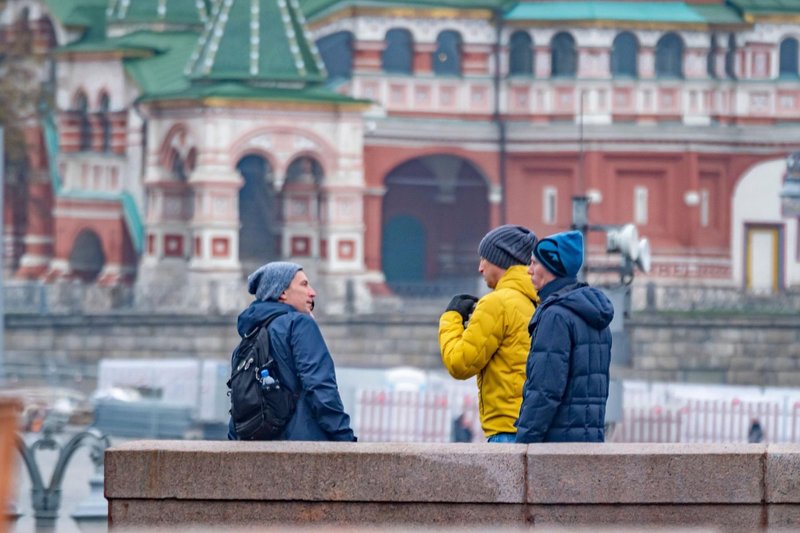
[465, 351]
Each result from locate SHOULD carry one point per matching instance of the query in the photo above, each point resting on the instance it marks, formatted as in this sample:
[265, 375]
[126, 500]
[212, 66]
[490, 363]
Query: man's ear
[282, 297]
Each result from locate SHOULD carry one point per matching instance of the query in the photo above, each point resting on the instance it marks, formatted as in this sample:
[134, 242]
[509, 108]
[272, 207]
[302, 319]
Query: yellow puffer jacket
[494, 346]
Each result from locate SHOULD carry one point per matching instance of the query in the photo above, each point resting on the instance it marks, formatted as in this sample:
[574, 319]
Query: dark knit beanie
[507, 245]
[269, 281]
[561, 254]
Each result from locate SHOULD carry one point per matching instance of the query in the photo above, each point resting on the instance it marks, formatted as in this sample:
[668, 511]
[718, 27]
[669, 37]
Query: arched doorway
[259, 217]
[435, 212]
[87, 259]
[761, 235]
[403, 249]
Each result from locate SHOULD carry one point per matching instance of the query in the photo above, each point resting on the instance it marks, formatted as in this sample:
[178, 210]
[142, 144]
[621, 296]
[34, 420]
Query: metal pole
[580, 222]
[2, 259]
[581, 176]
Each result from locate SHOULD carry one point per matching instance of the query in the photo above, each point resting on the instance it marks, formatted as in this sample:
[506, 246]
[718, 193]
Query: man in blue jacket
[566, 385]
[305, 365]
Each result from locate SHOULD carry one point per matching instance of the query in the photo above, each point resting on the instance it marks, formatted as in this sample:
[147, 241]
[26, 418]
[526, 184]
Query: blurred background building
[161, 144]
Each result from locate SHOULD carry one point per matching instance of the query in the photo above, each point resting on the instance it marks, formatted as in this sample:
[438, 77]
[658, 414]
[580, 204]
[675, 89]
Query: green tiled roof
[155, 42]
[178, 12]
[242, 91]
[767, 6]
[257, 40]
[89, 14]
[161, 73]
[77, 12]
[652, 12]
[155, 60]
[314, 8]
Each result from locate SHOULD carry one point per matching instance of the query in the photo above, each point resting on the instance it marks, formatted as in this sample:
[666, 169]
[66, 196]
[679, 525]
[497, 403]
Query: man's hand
[464, 304]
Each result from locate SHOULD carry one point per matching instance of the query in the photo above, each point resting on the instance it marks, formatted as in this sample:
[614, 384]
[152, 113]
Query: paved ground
[75, 487]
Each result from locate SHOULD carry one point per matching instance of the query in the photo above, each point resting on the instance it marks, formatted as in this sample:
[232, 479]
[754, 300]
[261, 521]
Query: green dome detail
[261, 41]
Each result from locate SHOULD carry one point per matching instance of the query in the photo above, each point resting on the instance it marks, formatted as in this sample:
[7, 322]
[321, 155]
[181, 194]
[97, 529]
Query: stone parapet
[728, 487]
[744, 350]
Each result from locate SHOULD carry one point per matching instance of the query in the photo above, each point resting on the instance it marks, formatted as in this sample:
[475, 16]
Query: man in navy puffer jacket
[566, 384]
[305, 365]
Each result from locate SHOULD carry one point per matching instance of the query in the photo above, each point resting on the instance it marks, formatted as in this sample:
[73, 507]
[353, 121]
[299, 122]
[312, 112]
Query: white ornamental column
[167, 240]
[215, 223]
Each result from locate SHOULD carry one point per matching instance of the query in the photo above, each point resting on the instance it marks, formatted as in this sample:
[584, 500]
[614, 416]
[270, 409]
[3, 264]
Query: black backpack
[258, 412]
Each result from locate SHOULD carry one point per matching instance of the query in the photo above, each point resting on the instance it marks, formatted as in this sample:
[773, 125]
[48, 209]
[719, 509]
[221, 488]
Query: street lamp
[46, 500]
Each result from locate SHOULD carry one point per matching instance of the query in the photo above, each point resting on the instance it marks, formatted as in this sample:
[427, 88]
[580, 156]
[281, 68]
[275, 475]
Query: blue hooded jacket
[566, 386]
[305, 366]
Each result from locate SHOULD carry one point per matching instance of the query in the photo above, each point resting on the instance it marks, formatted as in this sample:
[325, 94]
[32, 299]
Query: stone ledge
[310, 471]
[651, 473]
[725, 486]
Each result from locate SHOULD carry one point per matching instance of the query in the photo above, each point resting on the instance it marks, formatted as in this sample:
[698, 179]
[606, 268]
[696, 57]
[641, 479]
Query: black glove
[464, 304]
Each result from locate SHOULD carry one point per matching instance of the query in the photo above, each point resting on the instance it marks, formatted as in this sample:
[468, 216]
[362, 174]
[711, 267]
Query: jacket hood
[517, 278]
[589, 303]
[257, 313]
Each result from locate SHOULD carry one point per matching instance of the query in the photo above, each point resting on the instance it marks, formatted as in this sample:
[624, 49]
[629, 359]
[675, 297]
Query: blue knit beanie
[561, 254]
[507, 245]
[269, 281]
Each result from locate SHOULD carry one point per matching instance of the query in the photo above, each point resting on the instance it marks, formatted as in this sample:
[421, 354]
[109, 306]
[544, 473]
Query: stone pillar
[302, 209]
[647, 62]
[373, 224]
[542, 61]
[423, 57]
[215, 223]
[38, 239]
[367, 56]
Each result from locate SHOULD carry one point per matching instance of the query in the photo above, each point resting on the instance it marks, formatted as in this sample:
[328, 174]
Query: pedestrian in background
[295, 341]
[755, 434]
[488, 337]
[566, 388]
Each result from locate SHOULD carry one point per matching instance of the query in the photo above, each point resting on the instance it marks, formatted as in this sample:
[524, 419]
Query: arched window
[669, 56]
[447, 57]
[304, 170]
[336, 51]
[84, 124]
[87, 259]
[105, 122]
[711, 59]
[730, 58]
[563, 56]
[788, 58]
[624, 56]
[398, 56]
[520, 55]
[259, 213]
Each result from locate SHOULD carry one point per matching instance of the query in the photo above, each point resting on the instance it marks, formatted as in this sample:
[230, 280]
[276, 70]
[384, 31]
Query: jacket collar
[518, 279]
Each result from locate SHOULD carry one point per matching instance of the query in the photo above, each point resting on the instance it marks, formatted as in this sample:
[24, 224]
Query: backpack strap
[265, 358]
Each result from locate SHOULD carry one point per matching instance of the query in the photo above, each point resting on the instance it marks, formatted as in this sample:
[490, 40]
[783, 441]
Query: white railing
[384, 415]
[412, 416]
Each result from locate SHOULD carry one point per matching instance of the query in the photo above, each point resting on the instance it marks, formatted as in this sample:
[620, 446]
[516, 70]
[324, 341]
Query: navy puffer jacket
[566, 386]
[305, 366]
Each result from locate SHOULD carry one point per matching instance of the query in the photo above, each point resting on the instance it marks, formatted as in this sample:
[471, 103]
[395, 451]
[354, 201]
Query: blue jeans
[503, 437]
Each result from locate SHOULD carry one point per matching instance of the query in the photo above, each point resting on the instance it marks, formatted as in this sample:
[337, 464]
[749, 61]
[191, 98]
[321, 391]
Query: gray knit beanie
[508, 245]
[269, 281]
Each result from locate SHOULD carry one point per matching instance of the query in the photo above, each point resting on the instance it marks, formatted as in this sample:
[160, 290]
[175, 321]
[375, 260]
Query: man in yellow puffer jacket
[489, 338]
